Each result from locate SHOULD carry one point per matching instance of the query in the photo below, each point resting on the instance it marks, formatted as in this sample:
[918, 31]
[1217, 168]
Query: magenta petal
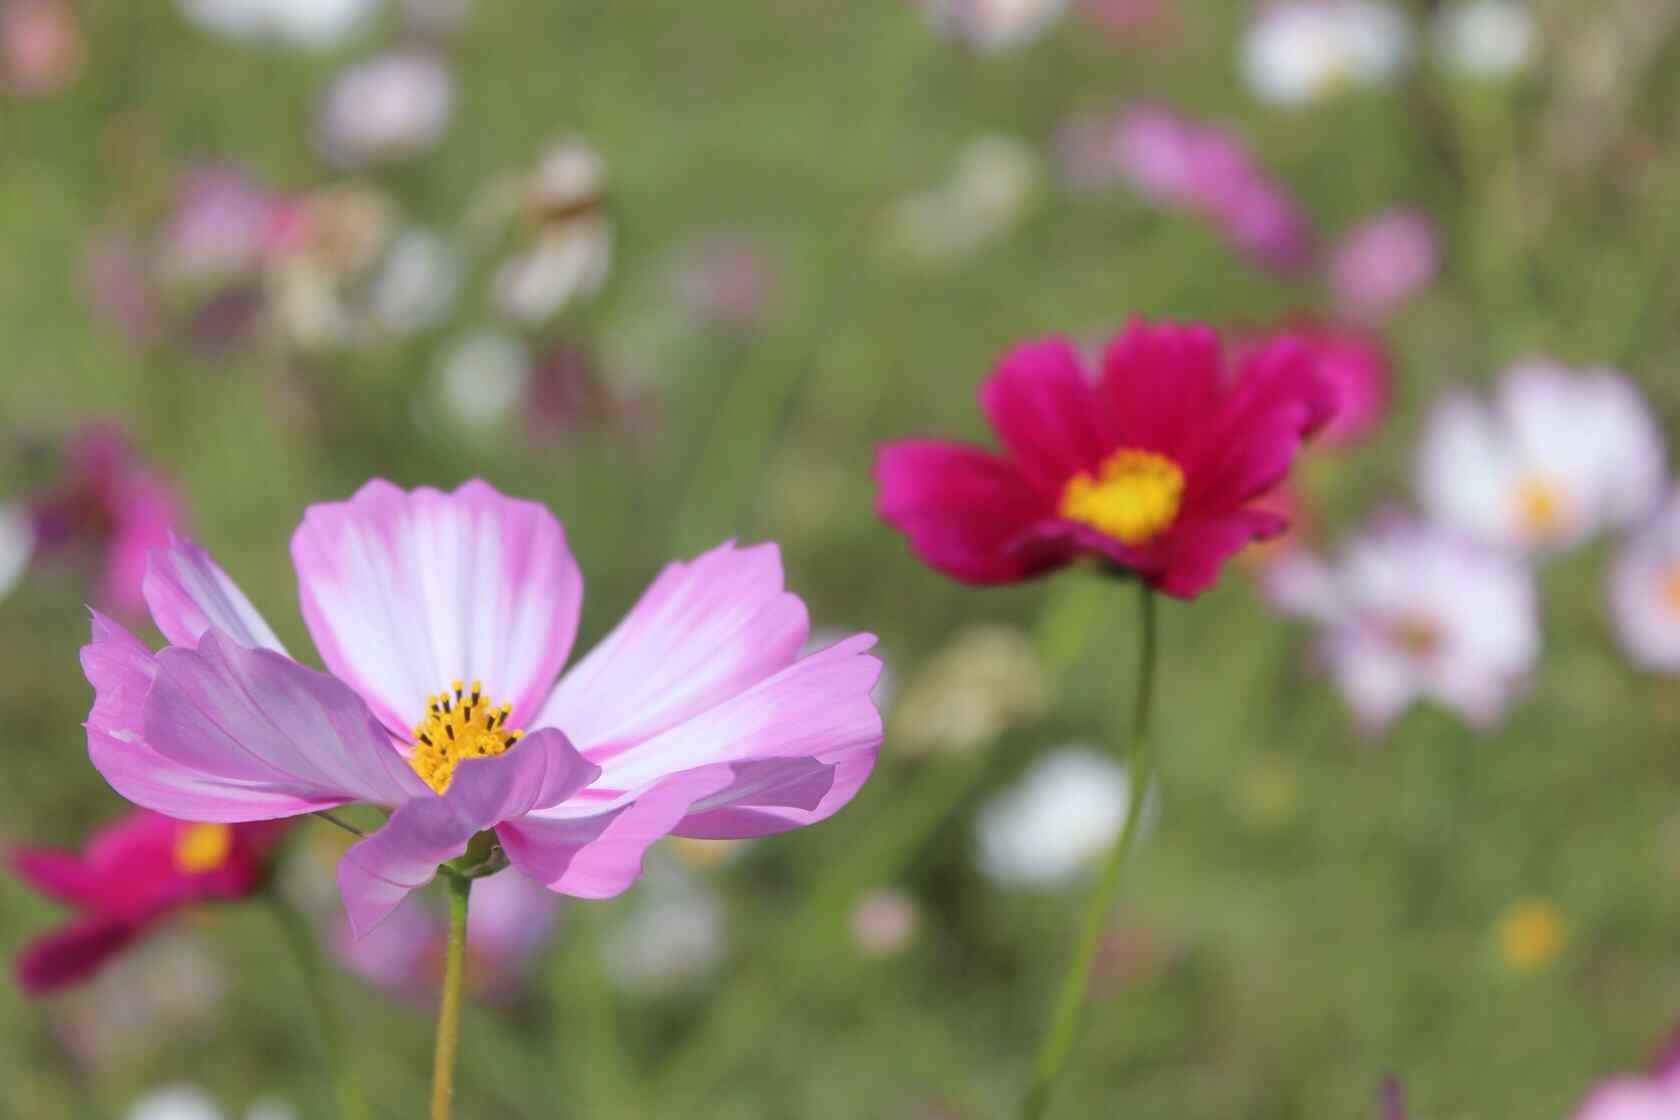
[1198, 549]
[189, 594]
[1046, 412]
[377, 873]
[61, 875]
[71, 954]
[702, 632]
[406, 591]
[771, 795]
[961, 507]
[121, 671]
[262, 721]
[1162, 381]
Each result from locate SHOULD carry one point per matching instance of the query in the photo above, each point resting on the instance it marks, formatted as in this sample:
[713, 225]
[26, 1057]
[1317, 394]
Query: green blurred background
[1310, 911]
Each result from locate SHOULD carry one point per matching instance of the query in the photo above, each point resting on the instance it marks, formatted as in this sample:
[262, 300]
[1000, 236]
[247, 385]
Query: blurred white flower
[1486, 38]
[986, 679]
[1303, 50]
[390, 107]
[884, 922]
[1415, 611]
[1645, 593]
[670, 935]
[302, 23]
[994, 25]
[17, 543]
[1061, 815]
[416, 284]
[567, 261]
[994, 180]
[187, 1102]
[1560, 455]
[482, 378]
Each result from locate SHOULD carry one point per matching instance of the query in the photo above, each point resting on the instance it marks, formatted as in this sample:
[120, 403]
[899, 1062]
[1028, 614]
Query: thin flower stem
[449, 1008]
[1058, 1042]
[333, 819]
[301, 939]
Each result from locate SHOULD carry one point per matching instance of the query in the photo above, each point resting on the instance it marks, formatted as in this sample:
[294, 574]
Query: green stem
[449, 1007]
[1058, 1042]
[301, 939]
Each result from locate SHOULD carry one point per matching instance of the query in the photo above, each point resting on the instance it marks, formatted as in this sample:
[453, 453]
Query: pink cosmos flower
[512, 918]
[1153, 468]
[1201, 168]
[693, 717]
[1381, 264]
[1645, 593]
[1652, 1097]
[1354, 364]
[133, 874]
[1559, 456]
[1415, 611]
[111, 500]
[40, 46]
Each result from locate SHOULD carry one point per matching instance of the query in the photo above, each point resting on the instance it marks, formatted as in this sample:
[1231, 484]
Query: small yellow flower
[1531, 935]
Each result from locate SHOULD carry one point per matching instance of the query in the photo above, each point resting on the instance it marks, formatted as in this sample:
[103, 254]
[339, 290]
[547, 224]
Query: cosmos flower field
[938, 560]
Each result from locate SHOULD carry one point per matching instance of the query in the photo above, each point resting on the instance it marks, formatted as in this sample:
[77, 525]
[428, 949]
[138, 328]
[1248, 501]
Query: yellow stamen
[1135, 496]
[1543, 512]
[459, 723]
[202, 847]
[1671, 587]
[1418, 635]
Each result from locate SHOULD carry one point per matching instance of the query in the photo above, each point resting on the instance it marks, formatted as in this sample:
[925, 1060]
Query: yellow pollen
[1671, 587]
[1542, 508]
[202, 847]
[460, 723]
[1530, 935]
[1135, 496]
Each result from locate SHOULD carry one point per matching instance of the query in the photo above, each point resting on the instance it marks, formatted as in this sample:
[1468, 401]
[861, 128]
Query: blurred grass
[1335, 904]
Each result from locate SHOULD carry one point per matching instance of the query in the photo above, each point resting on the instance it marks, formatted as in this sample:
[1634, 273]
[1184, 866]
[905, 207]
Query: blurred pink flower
[1151, 467]
[1558, 456]
[40, 45]
[1654, 1097]
[390, 107]
[1124, 18]
[1354, 364]
[223, 223]
[1200, 168]
[697, 714]
[1645, 593]
[1413, 611]
[729, 280]
[132, 874]
[510, 921]
[1391, 1098]
[993, 25]
[1381, 264]
[110, 500]
[884, 922]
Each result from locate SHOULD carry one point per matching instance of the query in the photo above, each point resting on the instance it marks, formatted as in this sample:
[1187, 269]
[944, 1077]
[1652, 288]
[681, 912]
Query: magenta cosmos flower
[445, 619]
[1154, 467]
[1354, 364]
[133, 874]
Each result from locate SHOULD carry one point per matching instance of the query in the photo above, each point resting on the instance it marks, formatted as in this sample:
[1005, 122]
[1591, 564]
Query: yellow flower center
[1542, 508]
[1418, 635]
[458, 724]
[202, 847]
[1134, 496]
[1671, 587]
[1530, 935]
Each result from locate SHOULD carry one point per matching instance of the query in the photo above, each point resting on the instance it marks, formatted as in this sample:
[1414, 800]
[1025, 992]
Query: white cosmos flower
[187, 1102]
[1486, 38]
[392, 106]
[17, 542]
[482, 378]
[993, 183]
[314, 24]
[416, 283]
[1415, 611]
[994, 25]
[671, 935]
[1645, 593]
[567, 261]
[1061, 816]
[1559, 456]
[1303, 50]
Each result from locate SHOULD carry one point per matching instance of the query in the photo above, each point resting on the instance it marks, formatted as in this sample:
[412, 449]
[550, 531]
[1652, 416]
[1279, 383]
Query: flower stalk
[1059, 1039]
[458, 888]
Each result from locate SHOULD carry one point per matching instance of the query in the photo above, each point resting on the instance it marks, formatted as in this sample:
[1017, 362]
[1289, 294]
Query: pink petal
[377, 873]
[702, 632]
[260, 721]
[1197, 550]
[60, 875]
[406, 591]
[962, 508]
[1162, 382]
[121, 671]
[774, 795]
[71, 954]
[1046, 413]
[189, 594]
